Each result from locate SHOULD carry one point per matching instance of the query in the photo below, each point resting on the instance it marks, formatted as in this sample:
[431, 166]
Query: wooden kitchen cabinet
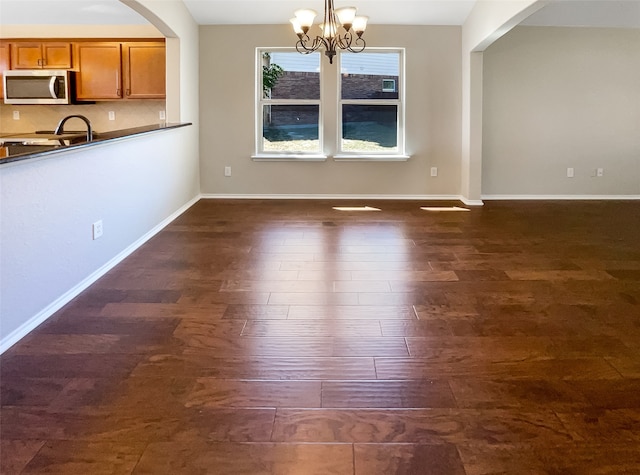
[99, 71]
[113, 71]
[144, 70]
[46, 55]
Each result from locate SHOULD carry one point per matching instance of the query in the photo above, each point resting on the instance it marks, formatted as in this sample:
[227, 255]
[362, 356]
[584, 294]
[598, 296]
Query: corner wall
[562, 97]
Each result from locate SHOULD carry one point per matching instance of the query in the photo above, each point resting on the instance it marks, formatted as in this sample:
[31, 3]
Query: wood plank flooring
[284, 337]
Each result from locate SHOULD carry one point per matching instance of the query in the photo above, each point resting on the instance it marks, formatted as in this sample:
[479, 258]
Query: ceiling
[401, 12]
[601, 13]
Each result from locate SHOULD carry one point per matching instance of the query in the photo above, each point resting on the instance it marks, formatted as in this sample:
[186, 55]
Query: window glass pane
[370, 75]
[291, 75]
[369, 128]
[291, 128]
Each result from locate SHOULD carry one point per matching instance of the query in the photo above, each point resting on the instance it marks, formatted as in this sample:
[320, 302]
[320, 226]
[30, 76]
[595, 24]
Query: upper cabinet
[99, 71]
[144, 70]
[104, 70]
[36, 55]
[112, 71]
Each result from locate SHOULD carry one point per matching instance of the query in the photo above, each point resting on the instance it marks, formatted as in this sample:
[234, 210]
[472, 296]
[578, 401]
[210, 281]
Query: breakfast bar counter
[32, 149]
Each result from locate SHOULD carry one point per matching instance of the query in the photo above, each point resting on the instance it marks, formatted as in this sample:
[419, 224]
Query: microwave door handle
[52, 87]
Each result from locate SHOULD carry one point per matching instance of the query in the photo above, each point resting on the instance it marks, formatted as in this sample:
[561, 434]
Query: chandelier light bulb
[328, 30]
[360, 24]
[305, 17]
[346, 16]
[296, 26]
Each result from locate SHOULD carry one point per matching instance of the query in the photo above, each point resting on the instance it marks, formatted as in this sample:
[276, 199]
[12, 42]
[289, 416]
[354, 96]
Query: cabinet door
[56, 55]
[144, 70]
[26, 55]
[5, 49]
[48, 55]
[99, 72]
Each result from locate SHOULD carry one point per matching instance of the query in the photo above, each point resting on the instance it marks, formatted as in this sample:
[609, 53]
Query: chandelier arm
[303, 46]
[357, 46]
[344, 41]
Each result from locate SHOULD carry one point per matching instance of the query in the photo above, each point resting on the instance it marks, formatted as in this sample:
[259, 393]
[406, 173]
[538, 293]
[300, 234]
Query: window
[358, 103]
[289, 108]
[371, 116]
[388, 85]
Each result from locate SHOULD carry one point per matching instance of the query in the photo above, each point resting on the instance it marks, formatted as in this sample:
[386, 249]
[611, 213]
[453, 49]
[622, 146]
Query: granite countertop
[40, 150]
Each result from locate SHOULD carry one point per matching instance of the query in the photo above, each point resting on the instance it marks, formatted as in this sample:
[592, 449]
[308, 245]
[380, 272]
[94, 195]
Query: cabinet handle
[39, 62]
[128, 92]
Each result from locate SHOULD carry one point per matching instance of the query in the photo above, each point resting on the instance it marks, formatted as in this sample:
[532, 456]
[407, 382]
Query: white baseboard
[221, 196]
[561, 197]
[471, 202]
[30, 325]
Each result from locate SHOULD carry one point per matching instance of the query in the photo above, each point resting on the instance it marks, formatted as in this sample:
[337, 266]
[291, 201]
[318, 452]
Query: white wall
[562, 97]
[227, 92]
[47, 208]
[134, 185]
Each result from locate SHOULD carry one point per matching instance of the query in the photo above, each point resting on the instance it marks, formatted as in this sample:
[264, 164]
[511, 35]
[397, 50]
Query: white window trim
[280, 155]
[400, 155]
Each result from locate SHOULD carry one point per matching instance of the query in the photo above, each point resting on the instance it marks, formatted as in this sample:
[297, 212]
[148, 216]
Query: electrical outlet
[434, 171]
[97, 230]
[112, 115]
[227, 171]
[570, 172]
[162, 115]
[16, 115]
[600, 172]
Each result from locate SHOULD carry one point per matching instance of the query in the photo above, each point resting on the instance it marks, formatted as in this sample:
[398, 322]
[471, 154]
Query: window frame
[261, 102]
[356, 155]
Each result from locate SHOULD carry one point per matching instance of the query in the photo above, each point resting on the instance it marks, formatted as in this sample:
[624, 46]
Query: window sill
[289, 157]
[371, 158]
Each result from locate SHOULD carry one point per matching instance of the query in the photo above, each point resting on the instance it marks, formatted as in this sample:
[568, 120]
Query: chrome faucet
[60, 129]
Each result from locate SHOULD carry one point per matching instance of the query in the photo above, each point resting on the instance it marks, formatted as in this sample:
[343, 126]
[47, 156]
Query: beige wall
[487, 21]
[433, 122]
[562, 97]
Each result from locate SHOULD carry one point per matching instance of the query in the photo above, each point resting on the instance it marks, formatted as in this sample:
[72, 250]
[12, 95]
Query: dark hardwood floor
[283, 337]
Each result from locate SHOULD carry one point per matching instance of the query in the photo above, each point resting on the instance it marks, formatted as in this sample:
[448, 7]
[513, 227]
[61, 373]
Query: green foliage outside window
[270, 75]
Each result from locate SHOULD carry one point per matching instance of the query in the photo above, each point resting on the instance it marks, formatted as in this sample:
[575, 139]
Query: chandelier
[331, 37]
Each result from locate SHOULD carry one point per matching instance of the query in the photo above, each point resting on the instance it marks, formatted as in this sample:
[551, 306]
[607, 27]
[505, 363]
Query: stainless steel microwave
[37, 86]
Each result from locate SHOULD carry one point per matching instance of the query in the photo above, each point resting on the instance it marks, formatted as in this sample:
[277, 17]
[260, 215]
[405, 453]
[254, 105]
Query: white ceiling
[400, 12]
[604, 13]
